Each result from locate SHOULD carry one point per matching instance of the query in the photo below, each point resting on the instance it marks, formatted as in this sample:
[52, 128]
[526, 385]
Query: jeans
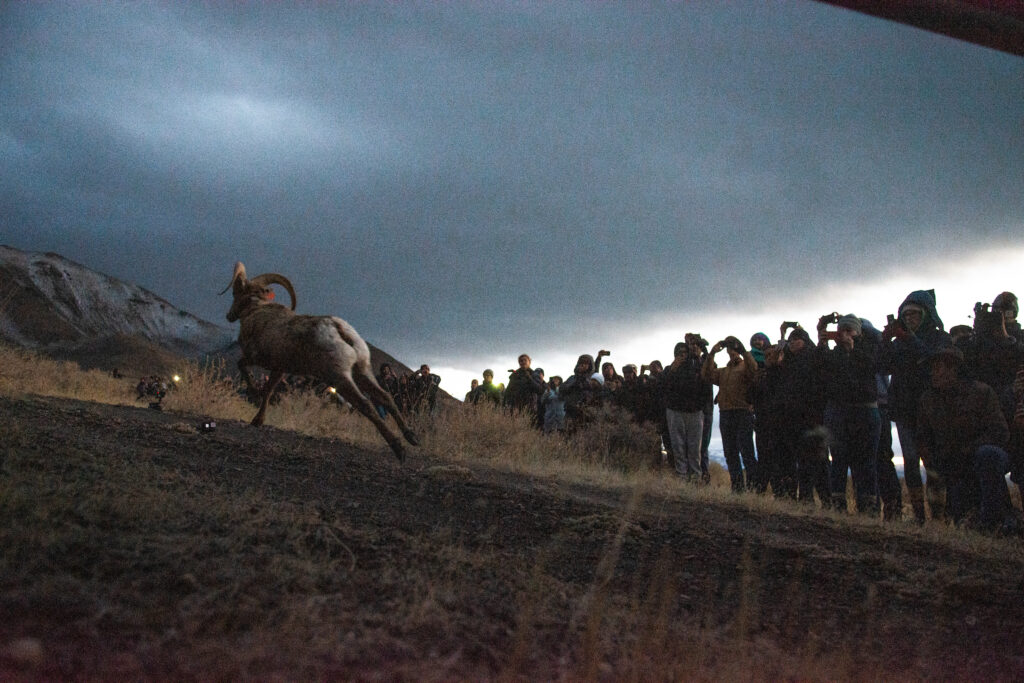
[888, 481]
[705, 439]
[911, 460]
[685, 430]
[737, 427]
[854, 445]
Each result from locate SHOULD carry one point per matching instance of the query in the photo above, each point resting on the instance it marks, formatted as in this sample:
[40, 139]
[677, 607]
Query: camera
[986, 321]
[790, 323]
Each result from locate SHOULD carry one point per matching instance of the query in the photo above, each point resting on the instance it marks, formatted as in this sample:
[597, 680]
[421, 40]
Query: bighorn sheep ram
[328, 348]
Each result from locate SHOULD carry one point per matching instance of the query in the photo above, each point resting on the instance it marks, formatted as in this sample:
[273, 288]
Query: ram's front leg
[272, 383]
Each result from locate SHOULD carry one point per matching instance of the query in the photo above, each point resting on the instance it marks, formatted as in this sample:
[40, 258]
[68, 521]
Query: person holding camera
[699, 351]
[907, 340]
[735, 414]
[524, 387]
[683, 391]
[581, 393]
[993, 355]
[851, 413]
[792, 418]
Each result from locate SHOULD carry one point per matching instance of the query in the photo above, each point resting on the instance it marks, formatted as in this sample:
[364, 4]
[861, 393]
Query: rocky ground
[137, 546]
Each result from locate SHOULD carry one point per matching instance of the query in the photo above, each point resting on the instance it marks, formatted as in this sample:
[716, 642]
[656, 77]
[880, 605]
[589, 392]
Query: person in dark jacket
[699, 350]
[993, 355]
[908, 340]
[628, 397]
[794, 379]
[851, 414]
[684, 394]
[961, 433]
[524, 388]
[581, 392]
[652, 406]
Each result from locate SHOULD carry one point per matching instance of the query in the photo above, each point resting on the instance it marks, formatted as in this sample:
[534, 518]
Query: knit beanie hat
[850, 320]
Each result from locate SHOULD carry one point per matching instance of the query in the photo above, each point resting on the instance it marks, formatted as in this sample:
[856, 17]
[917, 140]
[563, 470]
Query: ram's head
[250, 293]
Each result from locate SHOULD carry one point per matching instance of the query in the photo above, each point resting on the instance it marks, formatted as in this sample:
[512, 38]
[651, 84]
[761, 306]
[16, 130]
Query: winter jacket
[953, 423]
[903, 358]
[734, 380]
[522, 390]
[683, 389]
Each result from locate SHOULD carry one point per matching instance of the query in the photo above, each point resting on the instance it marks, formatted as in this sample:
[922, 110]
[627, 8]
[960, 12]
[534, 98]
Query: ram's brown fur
[274, 337]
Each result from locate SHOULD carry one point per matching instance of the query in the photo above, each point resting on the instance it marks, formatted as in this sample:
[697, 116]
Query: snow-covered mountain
[68, 311]
[48, 302]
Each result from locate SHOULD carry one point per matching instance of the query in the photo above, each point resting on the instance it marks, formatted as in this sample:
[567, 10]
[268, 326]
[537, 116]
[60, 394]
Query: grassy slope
[136, 547]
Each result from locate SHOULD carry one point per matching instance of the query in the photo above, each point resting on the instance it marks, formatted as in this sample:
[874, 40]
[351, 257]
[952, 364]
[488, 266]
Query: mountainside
[49, 302]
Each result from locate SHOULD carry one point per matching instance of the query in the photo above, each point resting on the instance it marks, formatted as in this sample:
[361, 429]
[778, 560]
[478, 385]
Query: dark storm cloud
[448, 177]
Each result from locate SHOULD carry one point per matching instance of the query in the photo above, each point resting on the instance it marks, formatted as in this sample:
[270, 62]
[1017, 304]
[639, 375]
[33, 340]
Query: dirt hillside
[138, 546]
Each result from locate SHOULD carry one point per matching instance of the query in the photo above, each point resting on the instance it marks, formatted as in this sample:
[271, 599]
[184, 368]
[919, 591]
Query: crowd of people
[805, 415]
[153, 387]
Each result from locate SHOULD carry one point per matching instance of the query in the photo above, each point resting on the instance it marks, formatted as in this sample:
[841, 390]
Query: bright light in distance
[176, 378]
[332, 390]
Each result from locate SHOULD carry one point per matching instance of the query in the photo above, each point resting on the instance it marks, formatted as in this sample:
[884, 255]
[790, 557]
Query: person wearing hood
[795, 404]
[851, 414]
[735, 414]
[759, 344]
[907, 341]
[581, 391]
[683, 391]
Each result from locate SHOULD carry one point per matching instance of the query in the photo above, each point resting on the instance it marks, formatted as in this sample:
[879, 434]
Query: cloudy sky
[465, 182]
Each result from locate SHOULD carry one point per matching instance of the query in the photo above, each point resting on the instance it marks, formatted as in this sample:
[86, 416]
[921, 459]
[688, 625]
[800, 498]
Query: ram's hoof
[410, 436]
[399, 451]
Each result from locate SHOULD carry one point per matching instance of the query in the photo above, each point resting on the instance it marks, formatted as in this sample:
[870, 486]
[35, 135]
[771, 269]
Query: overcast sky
[465, 182]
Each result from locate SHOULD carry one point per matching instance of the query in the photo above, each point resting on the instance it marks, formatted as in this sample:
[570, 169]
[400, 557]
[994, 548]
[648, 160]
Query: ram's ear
[275, 279]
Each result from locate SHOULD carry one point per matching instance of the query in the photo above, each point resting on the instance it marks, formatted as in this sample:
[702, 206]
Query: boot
[916, 496]
[937, 504]
[892, 509]
[867, 505]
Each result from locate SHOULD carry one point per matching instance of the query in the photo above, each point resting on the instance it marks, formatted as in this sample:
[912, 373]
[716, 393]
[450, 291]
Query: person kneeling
[962, 435]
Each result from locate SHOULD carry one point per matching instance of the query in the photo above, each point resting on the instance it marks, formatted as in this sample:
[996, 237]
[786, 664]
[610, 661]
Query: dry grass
[612, 452]
[267, 575]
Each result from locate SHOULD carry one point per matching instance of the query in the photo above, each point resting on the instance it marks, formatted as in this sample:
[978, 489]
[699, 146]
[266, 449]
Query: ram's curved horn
[275, 279]
[239, 273]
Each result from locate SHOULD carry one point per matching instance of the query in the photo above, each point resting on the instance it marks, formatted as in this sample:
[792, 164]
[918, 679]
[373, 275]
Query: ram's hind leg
[368, 384]
[272, 383]
[350, 392]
